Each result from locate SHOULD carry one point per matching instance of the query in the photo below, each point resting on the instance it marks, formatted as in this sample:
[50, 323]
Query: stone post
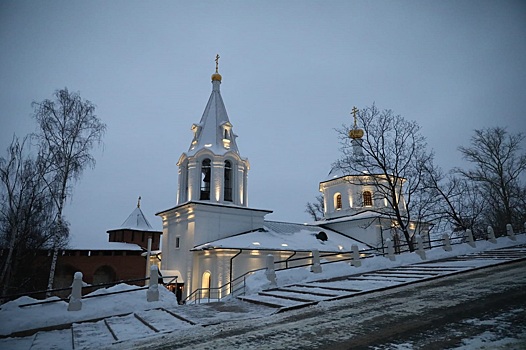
[270, 273]
[316, 267]
[469, 236]
[75, 300]
[152, 294]
[355, 256]
[491, 235]
[447, 242]
[511, 234]
[390, 249]
[420, 247]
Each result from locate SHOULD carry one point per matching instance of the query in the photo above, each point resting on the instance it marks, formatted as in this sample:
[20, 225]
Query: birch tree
[68, 131]
[26, 216]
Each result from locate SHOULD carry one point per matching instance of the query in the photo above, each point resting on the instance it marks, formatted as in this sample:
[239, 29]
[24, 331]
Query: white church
[212, 236]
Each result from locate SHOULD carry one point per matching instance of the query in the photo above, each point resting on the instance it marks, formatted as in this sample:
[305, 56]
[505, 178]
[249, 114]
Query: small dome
[356, 133]
[216, 77]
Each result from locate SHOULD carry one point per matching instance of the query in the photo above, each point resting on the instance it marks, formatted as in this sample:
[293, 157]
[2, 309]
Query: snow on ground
[258, 281]
[14, 318]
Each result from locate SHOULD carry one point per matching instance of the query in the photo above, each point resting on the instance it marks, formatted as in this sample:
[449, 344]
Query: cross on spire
[217, 62]
[139, 202]
[354, 111]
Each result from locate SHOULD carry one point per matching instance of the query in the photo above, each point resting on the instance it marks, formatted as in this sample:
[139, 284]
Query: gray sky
[292, 70]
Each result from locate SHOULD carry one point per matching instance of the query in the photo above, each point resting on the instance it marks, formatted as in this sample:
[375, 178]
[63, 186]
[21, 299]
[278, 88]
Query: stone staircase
[141, 324]
[306, 294]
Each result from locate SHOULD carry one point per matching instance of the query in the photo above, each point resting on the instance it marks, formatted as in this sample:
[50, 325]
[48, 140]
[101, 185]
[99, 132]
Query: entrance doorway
[205, 284]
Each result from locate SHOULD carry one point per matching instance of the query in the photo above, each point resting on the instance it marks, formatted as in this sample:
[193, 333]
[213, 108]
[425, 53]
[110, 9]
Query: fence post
[153, 290]
[390, 249]
[270, 273]
[469, 236]
[75, 301]
[447, 242]
[491, 235]
[511, 234]
[316, 267]
[355, 256]
[420, 247]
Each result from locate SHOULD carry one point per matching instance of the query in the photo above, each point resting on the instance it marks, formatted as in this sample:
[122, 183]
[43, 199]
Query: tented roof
[136, 221]
[210, 130]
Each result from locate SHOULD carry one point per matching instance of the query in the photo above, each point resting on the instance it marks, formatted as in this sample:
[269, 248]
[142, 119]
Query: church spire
[214, 131]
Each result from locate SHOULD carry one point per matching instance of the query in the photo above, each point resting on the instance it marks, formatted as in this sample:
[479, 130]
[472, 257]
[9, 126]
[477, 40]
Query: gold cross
[217, 61]
[354, 111]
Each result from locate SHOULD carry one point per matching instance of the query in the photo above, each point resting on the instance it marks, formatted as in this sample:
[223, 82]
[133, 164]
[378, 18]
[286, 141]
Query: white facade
[211, 236]
[212, 198]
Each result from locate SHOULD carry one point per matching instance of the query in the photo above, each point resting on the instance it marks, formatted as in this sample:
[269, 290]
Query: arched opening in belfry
[206, 173]
[228, 181]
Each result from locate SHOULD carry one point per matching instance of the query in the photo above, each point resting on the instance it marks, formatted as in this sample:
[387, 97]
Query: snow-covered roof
[286, 237]
[105, 246]
[367, 214]
[209, 132]
[136, 221]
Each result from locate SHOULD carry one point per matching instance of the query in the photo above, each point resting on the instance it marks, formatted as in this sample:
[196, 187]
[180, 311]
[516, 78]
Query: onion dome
[355, 132]
[216, 76]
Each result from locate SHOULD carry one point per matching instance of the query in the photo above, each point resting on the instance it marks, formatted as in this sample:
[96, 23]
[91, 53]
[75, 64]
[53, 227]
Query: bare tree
[498, 167]
[26, 215]
[315, 209]
[391, 157]
[69, 129]
[460, 202]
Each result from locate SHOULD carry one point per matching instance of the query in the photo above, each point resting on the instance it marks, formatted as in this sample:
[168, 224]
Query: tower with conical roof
[136, 229]
[212, 198]
[212, 169]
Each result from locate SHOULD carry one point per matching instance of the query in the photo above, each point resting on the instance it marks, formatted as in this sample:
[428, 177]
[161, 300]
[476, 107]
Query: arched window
[228, 181]
[337, 201]
[367, 199]
[205, 179]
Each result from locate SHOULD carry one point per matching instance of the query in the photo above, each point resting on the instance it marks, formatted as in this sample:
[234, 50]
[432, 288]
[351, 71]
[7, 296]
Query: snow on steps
[279, 302]
[122, 328]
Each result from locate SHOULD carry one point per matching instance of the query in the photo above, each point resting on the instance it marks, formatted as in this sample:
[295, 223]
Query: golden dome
[216, 77]
[356, 133]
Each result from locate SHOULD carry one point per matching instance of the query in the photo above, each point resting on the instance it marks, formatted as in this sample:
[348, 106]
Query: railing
[239, 283]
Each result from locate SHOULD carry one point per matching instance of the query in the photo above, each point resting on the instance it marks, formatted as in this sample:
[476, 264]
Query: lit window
[367, 199]
[338, 201]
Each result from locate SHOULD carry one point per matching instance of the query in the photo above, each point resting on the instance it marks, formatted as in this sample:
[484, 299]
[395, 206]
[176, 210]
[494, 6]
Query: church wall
[367, 231]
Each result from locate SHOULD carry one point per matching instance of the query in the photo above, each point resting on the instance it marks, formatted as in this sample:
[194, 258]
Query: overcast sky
[292, 71]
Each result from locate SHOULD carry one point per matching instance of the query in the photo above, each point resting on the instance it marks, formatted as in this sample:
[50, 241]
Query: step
[162, 320]
[271, 301]
[311, 290]
[287, 294]
[89, 334]
[128, 327]
[59, 340]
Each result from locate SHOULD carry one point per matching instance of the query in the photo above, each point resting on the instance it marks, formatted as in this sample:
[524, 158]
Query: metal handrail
[372, 252]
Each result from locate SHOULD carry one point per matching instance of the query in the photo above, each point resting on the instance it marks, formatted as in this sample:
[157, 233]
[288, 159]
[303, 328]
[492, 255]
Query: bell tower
[212, 169]
[212, 199]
